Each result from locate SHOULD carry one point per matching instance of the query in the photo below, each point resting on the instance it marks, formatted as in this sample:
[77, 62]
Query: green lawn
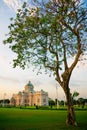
[25, 119]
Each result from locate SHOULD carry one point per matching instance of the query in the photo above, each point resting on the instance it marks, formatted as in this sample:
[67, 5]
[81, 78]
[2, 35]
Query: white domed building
[29, 97]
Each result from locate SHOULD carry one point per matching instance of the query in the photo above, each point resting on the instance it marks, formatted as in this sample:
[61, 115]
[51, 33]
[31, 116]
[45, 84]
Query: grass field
[25, 119]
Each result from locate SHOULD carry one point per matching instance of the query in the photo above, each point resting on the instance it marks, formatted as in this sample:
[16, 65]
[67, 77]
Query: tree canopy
[47, 34]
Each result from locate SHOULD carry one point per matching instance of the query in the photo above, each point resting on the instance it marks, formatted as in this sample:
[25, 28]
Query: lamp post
[4, 99]
[57, 95]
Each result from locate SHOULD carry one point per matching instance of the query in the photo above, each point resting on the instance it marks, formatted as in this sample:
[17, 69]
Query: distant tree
[47, 36]
[1, 102]
[81, 102]
[61, 103]
[5, 101]
[75, 94]
[51, 103]
[85, 100]
[13, 101]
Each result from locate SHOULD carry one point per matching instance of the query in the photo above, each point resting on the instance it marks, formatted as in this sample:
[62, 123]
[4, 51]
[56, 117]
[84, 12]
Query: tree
[13, 101]
[51, 103]
[75, 94]
[81, 101]
[46, 36]
[61, 103]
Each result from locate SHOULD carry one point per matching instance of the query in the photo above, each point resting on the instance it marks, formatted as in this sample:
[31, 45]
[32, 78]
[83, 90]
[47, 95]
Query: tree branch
[78, 53]
[64, 55]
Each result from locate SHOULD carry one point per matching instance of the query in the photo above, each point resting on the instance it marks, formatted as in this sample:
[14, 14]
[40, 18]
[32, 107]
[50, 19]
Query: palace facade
[29, 97]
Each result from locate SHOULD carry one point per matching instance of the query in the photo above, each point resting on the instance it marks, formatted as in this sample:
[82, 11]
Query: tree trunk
[71, 118]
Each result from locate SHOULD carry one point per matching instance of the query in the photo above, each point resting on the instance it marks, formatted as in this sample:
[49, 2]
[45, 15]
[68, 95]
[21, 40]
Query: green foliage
[46, 35]
[75, 94]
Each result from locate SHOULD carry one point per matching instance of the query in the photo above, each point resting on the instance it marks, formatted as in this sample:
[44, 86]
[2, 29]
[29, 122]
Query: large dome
[29, 87]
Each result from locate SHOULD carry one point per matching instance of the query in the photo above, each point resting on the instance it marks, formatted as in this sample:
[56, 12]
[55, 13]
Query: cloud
[14, 4]
[9, 79]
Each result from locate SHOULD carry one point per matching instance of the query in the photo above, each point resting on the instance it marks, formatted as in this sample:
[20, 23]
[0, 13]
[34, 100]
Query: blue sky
[13, 80]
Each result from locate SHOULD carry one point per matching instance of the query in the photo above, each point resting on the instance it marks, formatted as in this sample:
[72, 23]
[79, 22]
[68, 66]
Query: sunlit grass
[25, 119]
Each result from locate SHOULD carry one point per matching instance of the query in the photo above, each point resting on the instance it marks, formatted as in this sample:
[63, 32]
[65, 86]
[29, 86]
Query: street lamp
[4, 99]
[57, 95]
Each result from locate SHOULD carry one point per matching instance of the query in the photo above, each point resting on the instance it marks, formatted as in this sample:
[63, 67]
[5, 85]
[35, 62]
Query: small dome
[29, 84]
[19, 93]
